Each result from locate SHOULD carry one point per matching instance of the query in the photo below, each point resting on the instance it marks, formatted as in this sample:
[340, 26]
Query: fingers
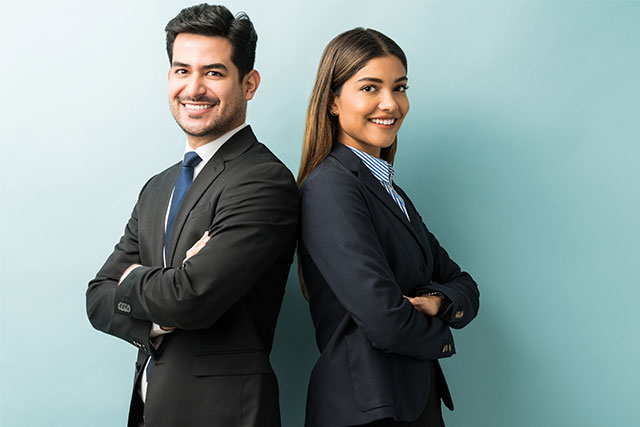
[415, 301]
[197, 246]
[428, 305]
[203, 240]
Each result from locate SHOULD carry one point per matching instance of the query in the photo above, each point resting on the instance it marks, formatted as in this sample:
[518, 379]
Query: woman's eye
[402, 88]
[368, 88]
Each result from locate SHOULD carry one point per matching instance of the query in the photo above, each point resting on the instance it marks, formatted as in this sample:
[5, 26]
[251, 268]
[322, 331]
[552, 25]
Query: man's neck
[198, 141]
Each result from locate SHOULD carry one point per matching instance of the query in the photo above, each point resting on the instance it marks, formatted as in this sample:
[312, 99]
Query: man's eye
[181, 71]
[214, 73]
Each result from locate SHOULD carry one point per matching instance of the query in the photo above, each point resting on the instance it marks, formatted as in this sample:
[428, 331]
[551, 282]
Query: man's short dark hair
[210, 20]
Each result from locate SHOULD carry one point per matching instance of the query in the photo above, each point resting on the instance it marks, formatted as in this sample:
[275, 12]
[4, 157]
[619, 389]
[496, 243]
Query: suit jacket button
[124, 307]
[459, 314]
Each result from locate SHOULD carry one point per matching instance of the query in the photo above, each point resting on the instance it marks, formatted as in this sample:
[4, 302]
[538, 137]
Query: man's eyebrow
[217, 66]
[377, 80]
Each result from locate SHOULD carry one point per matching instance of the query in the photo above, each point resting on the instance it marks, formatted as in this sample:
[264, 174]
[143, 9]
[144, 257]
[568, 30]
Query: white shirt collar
[207, 150]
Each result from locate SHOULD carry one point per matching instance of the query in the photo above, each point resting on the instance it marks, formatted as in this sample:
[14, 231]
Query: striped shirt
[384, 173]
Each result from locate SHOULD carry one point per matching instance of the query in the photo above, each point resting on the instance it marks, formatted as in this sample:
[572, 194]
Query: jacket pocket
[369, 373]
[199, 211]
[240, 363]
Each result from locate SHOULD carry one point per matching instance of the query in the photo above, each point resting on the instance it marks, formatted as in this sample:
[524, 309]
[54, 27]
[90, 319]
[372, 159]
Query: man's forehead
[212, 49]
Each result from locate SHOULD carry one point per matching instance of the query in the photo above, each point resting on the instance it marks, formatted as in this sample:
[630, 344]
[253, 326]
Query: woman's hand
[427, 304]
[197, 246]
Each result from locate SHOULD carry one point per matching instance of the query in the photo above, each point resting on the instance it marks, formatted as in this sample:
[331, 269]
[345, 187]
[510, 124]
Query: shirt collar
[207, 150]
[378, 167]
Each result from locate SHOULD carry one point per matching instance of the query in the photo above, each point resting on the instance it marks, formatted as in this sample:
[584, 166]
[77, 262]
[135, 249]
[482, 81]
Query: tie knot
[191, 159]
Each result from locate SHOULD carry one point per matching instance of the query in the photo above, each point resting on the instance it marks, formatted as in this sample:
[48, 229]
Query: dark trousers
[431, 416]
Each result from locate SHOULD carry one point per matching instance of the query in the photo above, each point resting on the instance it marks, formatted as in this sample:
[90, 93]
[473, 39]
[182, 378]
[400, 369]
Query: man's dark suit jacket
[359, 256]
[214, 369]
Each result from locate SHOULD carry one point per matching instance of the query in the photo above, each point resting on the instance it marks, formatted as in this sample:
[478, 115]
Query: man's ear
[250, 84]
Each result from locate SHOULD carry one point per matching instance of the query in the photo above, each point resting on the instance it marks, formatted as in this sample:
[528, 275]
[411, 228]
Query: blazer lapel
[415, 224]
[351, 161]
[236, 145]
[160, 213]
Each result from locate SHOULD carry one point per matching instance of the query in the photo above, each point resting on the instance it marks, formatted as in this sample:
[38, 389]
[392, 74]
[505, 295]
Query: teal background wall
[521, 152]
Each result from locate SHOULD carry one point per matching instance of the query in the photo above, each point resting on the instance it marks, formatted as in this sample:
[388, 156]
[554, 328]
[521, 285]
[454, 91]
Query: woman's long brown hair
[343, 57]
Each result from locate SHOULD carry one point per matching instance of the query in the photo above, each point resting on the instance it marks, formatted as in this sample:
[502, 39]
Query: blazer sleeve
[100, 295]
[254, 225]
[339, 233]
[456, 285]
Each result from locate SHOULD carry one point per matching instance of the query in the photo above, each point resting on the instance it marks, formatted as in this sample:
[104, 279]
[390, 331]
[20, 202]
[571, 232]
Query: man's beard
[220, 125]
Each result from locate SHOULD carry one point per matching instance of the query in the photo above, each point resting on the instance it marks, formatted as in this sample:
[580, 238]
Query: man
[197, 280]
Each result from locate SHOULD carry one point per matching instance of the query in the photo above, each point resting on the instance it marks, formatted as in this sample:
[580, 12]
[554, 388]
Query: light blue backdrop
[521, 151]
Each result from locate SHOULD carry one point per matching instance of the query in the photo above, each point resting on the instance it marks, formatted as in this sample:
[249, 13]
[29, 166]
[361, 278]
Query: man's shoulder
[162, 179]
[260, 153]
[259, 160]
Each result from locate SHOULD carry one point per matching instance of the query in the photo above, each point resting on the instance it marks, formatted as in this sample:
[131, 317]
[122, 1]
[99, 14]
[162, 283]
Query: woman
[383, 294]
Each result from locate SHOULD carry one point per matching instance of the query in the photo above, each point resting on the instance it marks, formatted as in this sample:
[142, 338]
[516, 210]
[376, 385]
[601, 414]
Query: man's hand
[197, 246]
[127, 271]
[427, 304]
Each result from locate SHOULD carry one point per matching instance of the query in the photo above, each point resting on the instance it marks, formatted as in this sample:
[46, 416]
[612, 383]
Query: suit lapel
[415, 224]
[235, 146]
[160, 213]
[351, 161]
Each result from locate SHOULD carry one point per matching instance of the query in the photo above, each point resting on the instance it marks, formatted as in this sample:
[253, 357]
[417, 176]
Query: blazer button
[459, 314]
[124, 307]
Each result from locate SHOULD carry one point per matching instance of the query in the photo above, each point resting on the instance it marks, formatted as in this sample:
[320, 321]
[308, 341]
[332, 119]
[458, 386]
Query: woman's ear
[333, 108]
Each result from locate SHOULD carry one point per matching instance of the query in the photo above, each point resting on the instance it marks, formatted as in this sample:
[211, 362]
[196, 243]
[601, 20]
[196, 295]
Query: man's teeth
[383, 122]
[197, 107]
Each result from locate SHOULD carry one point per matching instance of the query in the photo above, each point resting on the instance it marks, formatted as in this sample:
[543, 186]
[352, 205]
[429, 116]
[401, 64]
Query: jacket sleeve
[456, 285]
[254, 227]
[100, 295]
[339, 233]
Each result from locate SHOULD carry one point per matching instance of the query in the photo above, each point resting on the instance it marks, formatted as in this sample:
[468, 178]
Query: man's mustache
[200, 99]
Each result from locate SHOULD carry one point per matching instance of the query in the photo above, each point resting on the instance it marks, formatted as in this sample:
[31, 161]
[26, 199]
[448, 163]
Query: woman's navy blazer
[359, 255]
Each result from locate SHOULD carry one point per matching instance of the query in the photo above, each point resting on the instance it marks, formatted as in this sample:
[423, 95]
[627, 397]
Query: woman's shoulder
[330, 173]
[332, 183]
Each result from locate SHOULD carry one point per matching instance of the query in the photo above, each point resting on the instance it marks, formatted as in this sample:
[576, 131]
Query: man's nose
[195, 87]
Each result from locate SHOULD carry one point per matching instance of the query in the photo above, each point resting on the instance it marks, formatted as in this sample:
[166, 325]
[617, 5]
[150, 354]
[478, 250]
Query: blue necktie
[191, 159]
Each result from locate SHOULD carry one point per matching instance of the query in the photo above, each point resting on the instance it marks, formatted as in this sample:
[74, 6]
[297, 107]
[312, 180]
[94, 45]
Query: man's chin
[199, 131]
[199, 128]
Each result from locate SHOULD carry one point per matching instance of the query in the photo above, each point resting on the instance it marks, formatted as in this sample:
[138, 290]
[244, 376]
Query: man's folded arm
[100, 295]
[254, 227]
